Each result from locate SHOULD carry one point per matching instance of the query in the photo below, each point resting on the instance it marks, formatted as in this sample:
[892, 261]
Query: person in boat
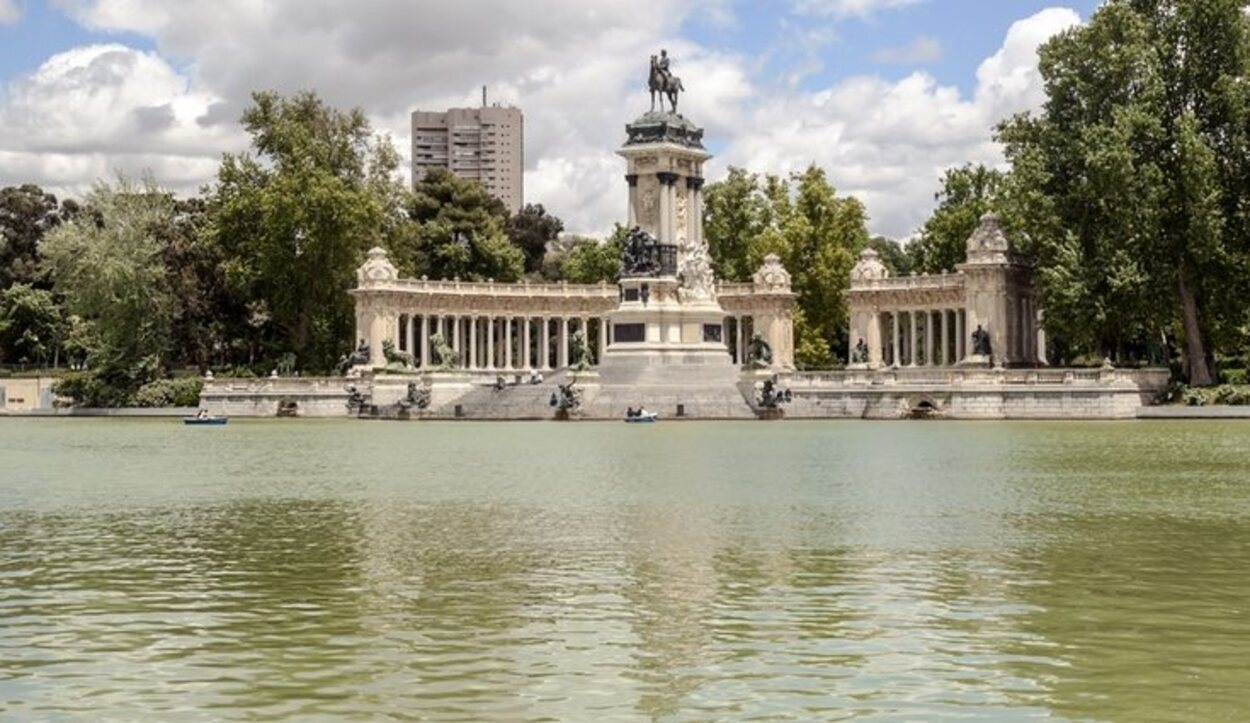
[630, 413]
[202, 414]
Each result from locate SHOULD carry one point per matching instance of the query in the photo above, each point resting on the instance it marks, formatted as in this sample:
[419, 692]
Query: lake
[679, 571]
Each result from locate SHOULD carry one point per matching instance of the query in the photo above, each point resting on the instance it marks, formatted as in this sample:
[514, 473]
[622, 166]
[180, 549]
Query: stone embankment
[949, 393]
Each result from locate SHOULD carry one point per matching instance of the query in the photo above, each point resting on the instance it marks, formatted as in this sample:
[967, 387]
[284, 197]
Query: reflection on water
[603, 572]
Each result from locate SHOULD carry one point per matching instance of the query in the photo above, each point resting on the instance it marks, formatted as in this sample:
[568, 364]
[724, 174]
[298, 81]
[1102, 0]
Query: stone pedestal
[669, 325]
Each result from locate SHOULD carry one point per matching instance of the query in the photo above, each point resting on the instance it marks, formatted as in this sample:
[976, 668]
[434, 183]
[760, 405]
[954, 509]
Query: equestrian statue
[663, 81]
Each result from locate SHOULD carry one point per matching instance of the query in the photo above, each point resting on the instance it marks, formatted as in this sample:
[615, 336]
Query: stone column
[896, 353]
[473, 342]
[667, 183]
[490, 343]
[527, 353]
[696, 216]
[961, 341]
[562, 357]
[929, 356]
[455, 337]
[544, 337]
[875, 352]
[1041, 339]
[946, 338]
[911, 339]
[603, 339]
[410, 334]
[632, 213]
[425, 341]
[507, 342]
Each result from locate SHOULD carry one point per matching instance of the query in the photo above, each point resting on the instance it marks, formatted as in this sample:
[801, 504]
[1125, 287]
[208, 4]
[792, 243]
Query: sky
[885, 95]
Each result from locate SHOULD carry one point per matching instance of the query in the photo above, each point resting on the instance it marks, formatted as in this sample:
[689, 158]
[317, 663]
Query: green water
[601, 572]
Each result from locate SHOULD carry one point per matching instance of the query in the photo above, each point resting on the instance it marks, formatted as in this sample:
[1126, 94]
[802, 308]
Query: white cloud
[888, 143]
[577, 69]
[10, 13]
[924, 49]
[94, 109]
[849, 8]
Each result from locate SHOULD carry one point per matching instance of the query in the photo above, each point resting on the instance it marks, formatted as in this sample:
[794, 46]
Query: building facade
[984, 314]
[484, 144]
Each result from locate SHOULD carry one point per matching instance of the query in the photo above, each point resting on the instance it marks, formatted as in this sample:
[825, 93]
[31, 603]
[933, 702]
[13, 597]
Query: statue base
[976, 361]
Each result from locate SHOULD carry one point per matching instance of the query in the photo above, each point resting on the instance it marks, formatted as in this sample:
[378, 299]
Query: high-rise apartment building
[484, 144]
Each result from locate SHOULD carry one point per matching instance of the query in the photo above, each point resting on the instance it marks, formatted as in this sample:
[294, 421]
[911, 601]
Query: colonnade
[922, 337]
[502, 342]
[516, 343]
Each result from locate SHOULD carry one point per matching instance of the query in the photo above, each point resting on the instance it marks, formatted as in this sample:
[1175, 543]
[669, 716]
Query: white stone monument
[668, 314]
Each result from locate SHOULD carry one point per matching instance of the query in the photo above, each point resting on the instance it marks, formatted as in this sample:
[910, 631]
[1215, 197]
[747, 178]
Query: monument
[668, 322]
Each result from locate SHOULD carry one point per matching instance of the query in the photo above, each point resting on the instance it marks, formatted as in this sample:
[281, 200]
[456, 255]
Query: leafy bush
[1236, 377]
[87, 389]
[183, 392]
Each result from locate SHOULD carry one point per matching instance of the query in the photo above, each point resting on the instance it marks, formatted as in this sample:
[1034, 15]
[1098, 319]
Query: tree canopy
[1131, 187]
[816, 233]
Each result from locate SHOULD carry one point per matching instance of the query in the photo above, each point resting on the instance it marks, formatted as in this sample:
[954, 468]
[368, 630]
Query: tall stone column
[490, 343]
[929, 356]
[507, 342]
[946, 338]
[911, 339]
[668, 182]
[544, 337]
[473, 342]
[632, 213]
[875, 352]
[603, 339]
[425, 341]
[455, 337]
[961, 337]
[526, 351]
[410, 336]
[563, 356]
[1041, 339]
[896, 353]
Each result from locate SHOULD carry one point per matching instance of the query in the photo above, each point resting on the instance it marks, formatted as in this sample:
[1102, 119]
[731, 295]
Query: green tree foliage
[817, 234]
[31, 325]
[1132, 185]
[967, 194]
[590, 261]
[295, 217]
[734, 211]
[893, 255]
[27, 213]
[460, 231]
[532, 230]
[107, 264]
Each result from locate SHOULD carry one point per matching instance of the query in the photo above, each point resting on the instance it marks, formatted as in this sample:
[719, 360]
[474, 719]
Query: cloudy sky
[884, 94]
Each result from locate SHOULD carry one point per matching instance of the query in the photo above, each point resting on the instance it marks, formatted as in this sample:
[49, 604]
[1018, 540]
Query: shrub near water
[184, 392]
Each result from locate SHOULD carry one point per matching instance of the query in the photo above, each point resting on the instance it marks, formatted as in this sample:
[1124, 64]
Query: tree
[107, 264]
[295, 218]
[531, 230]
[31, 325]
[816, 234]
[734, 211]
[893, 255]
[967, 194]
[1132, 185]
[590, 261]
[460, 231]
[27, 213]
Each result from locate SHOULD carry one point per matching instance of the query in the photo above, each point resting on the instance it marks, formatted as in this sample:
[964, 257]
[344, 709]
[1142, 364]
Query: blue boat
[644, 418]
[205, 421]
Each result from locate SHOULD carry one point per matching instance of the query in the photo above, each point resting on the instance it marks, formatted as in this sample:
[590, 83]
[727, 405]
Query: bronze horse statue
[664, 84]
